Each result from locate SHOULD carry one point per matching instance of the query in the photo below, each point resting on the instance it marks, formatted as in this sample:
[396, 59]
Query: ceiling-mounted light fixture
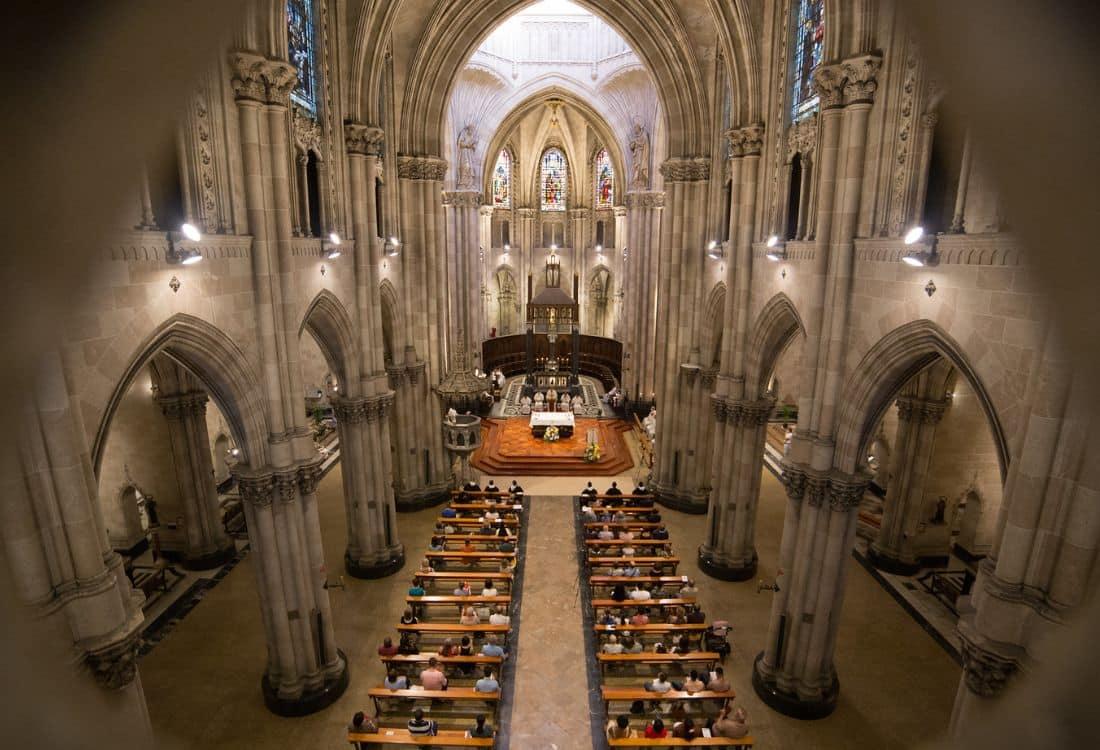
[177, 252]
[925, 252]
[715, 250]
[391, 247]
[330, 247]
[776, 250]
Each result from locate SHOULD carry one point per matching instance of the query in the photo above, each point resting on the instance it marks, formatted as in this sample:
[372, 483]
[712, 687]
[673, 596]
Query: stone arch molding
[327, 320]
[776, 326]
[390, 308]
[884, 369]
[222, 368]
[713, 321]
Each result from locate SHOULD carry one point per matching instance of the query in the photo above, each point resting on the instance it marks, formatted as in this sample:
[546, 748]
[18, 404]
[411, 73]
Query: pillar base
[726, 572]
[891, 564]
[790, 704]
[424, 497]
[378, 569]
[310, 701]
[210, 560]
[685, 502]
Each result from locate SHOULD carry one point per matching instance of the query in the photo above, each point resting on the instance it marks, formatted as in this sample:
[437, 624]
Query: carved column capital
[718, 404]
[861, 79]
[365, 140]
[115, 666]
[817, 490]
[752, 139]
[286, 483]
[736, 140]
[308, 477]
[645, 199]
[262, 80]
[794, 482]
[415, 370]
[350, 410]
[802, 137]
[421, 168]
[845, 495]
[486, 211]
[828, 83]
[683, 169]
[257, 490]
[986, 673]
[526, 213]
[396, 376]
[462, 198]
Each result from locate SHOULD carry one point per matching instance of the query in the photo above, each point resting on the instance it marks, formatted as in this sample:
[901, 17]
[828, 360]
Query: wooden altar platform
[508, 449]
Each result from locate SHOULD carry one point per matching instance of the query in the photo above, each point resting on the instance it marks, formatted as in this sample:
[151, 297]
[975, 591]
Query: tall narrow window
[313, 191]
[502, 180]
[301, 51]
[809, 34]
[605, 180]
[379, 211]
[794, 197]
[553, 180]
[599, 233]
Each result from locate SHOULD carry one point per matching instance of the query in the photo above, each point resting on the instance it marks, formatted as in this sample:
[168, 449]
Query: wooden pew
[629, 510]
[629, 695]
[481, 540]
[614, 562]
[397, 736]
[422, 659]
[457, 627]
[622, 524]
[612, 580]
[651, 603]
[648, 657]
[419, 693]
[458, 575]
[482, 493]
[507, 511]
[477, 537]
[596, 543]
[745, 741]
[457, 602]
[472, 558]
[510, 523]
[626, 496]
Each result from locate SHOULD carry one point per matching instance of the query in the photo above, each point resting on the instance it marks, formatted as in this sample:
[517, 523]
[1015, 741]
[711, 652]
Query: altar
[563, 420]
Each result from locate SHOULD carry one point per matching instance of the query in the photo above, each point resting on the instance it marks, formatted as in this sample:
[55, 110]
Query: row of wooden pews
[649, 631]
[457, 621]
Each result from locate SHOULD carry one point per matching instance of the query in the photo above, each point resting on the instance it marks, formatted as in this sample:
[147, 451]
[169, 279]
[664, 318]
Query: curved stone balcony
[463, 435]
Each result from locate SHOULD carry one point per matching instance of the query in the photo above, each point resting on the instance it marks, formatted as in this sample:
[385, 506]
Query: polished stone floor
[202, 682]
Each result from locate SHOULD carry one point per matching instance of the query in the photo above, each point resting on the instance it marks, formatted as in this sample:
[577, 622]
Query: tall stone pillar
[487, 269]
[921, 406]
[795, 673]
[1042, 568]
[62, 570]
[208, 546]
[640, 258]
[464, 271]
[528, 221]
[305, 671]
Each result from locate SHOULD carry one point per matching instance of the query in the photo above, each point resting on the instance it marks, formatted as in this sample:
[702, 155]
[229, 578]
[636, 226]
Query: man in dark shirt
[492, 487]
[515, 489]
[589, 490]
[613, 489]
[660, 533]
[695, 615]
[481, 729]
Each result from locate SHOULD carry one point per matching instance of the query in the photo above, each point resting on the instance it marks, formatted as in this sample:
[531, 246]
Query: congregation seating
[677, 742]
[396, 736]
[418, 693]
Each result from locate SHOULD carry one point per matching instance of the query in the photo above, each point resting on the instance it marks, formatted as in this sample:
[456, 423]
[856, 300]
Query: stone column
[68, 582]
[644, 210]
[795, 674]
[302, 226]
[486, 269]
[618, 320]
[464, 272]
[373, 549]
[920, 408]
[527, 223]
[1042, 568]
[208, 546]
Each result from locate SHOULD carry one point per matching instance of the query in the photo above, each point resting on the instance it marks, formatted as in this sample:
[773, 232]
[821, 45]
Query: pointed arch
[393, 336]
[328, 321]
[222, 368]
[712, 322]
[776, 326]
[882, 372]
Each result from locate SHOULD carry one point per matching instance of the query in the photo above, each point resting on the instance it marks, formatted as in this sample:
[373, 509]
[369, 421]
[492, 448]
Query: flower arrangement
[551, 434]
[592, 453]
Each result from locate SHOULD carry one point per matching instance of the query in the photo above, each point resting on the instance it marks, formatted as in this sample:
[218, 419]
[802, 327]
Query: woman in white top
[489, 589]
[612, 646]
[469, 617]
[499, 618]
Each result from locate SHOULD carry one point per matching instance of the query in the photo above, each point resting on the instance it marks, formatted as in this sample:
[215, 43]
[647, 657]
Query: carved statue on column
[467, 142]
[639, 150]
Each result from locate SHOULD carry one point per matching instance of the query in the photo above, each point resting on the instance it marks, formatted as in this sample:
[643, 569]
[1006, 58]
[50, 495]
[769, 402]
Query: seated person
[626, 535]
[436, 544]
[489, 588]
[688, 590]
[432, 678]
[448, 648]
[471, 486]
[619, 517]
[410, 644]
[408, 618]
[416, 589]
[686, 729]
[481, 729]
[421, 727]
[640, 594]
[613, 489]
[657, 570]
[395, 681]
[696, 616]
[619, 593]
[589, 514]
[449, 513]
[469, 617]
[660, 647]
[627, 550]
[661, 684]
[641, 617]
[619, 728]
[718, 682]
[655, 730]
[506, 546]
[490, 647]
[632, 645]
[730, 725]
[362, 724]
[468, 546]
[606, 533]
[589, 490]
[492, 486]
[693, 684]
[387, 648]
[660, 533]
[639, 489]
[463, 589]
[612, 646]
[488, 683]
[630, 570]
[502, 529]
[578, 406]
[499, 617]
[514, 488]
[609, 618]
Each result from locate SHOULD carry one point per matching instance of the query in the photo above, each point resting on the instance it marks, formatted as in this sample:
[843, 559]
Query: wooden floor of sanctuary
[508, 448]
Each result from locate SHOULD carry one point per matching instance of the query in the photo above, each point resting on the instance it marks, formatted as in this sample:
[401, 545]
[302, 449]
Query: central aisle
[550, 704]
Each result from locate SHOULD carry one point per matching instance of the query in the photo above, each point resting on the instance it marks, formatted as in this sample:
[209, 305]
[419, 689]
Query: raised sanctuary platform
[508, 448]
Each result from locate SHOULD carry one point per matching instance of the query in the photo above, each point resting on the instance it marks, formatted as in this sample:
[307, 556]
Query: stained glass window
[605, 180]
[300, 50]
[553, 180]
[502, 180]
[809, 33]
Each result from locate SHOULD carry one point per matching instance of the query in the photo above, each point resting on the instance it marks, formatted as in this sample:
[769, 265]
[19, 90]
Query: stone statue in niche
[467, 142]
[639, 151]
[941, 510]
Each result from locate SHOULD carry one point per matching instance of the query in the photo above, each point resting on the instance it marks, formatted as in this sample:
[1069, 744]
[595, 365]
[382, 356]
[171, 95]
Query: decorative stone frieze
[752, 139]
[986, 673]
[526, 213]
[257, 490]
[718, 404]
[115, 666]
[307, 131]
[845, 496]
[828, 83]
[817, 490]
[861, 79]
[462, 199]
[802, 137]
[736, 140]
[709, 377]
[794, 482]
[396, 376]
[350, 410]
[681, 169]
[645, 199]
[308, 477]
[421, 168]
[286, 483]
[183, 405]
[365, 140]
[415, 370]
[262, 80]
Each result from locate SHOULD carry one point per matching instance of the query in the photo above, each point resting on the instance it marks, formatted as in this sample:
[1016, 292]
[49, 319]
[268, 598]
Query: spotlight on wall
[177, 253]
[553, 246]
[715, 250]
[507, 247]
[330, 247]
[391, 247]
[776, 250]
[924, 254]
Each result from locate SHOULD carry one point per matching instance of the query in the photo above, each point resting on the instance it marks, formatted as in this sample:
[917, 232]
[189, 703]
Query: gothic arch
[222, 368]
[393, 332]
[776, 326]
[508, 291]
[712, 324]
[327, 320]
[884, 369]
